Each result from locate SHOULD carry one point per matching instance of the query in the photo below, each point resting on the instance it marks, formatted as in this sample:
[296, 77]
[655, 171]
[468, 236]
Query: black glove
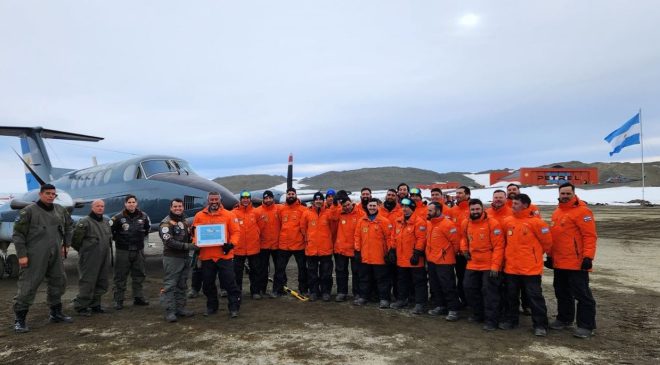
[358, 256]
[390, 257]
[414, 259]
[227, 247]
[467, 255]
[586, 264]
[493, 274]
[548, 262]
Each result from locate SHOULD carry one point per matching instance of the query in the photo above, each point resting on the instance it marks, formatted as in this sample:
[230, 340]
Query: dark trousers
[239, 268]
[409, 278]
[196, 277]
[319, 274]
[571, 286]
[224, 271]
[393, 275]
[483, 294]
[265, 256]
[381, 274]
[443, 286]
[532, 286]
[461, 263]
[341, 273]
[281, 262]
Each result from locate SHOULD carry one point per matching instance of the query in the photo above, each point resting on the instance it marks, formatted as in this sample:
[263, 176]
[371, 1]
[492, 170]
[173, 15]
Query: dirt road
[626, 285]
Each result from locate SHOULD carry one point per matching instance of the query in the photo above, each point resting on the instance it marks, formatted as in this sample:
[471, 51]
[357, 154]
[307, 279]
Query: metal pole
[641, 139]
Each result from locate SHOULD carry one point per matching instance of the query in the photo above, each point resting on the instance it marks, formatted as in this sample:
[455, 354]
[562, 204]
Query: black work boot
[19, 323]
[56, 315]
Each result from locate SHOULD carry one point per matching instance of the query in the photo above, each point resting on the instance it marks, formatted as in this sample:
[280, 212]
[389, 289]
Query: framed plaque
[211, 235]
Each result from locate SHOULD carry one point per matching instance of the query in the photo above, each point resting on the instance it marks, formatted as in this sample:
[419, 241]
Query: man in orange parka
[318, 248]
[499, 208]
[247, 249]
[513, 190]
[217, 261]
[483, 247]
[574, 248]
[527, 238]
[268, 219]
[390, 208]
[332, 204]
[291, 242]
[345, 247]
[373, 238]
[442, 244]
[416, 196]
[409, 242]
[460, 213]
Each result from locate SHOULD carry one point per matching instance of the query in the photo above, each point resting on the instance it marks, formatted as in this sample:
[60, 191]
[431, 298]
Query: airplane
[154, 179]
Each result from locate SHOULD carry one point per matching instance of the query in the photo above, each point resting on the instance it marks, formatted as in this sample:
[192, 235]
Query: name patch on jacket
[587, 218]
[545, 230]
[497, 232]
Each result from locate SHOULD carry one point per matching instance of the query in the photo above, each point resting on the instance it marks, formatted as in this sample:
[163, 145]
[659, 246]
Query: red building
[446, 185]
[550, 175]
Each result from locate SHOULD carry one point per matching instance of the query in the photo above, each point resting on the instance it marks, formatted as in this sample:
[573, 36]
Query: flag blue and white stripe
[627, 135]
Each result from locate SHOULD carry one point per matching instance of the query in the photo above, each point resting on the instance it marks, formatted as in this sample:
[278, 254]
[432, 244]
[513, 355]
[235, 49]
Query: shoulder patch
[166, 236]
[587, 218]
[497, 232]
[453, 230]
[422, 228]
[164, 229]
[545, 230]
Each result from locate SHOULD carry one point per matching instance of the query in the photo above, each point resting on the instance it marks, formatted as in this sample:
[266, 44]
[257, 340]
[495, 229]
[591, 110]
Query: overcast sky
[233, 87]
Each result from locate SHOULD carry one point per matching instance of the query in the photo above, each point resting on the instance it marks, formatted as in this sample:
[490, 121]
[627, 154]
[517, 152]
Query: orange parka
[392, 215]
[250, 232]
[527, 238]
[373, 239]
[409, 235]
[533, 209]
[336, 210]
[573, 235]
[442, 241]
[484, 240]
[345, 244]
[291, 232]
[316, 226]
[268, 219]
[459, 213]
[233, 234]
[500, 214]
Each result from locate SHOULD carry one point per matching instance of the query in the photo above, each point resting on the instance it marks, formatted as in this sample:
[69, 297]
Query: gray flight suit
[175, 233]
[129, 232]
[92, 238]
[39, 234]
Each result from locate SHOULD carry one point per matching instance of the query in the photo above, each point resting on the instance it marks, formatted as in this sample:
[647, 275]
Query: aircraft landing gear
[8, 263]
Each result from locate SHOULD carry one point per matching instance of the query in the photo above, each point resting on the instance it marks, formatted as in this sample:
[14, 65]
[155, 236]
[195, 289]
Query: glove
[227, 247]
[548, 262]
[414, 259]
[358, 256]
[467, 255]
[390, 258]
[493, 273]
[586, 264]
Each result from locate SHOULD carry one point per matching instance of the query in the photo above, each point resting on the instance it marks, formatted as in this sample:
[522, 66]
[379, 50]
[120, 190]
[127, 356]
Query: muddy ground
[626, 285]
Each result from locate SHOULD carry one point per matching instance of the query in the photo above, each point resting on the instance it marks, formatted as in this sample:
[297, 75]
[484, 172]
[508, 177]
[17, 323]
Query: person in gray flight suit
[39, 233]
[177, 244]
[92, 238]
[130, 229]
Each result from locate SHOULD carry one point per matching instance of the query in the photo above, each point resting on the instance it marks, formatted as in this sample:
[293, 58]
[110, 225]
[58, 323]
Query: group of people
[468, 256]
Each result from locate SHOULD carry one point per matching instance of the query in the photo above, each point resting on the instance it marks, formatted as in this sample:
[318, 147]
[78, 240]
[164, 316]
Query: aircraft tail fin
[289, 172]
[34, 151]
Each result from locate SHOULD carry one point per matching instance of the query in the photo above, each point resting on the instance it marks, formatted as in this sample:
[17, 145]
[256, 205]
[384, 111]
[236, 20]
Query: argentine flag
[627, 135]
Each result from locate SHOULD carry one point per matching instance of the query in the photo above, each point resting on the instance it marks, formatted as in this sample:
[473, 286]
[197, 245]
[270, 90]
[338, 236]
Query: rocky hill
[237, 183]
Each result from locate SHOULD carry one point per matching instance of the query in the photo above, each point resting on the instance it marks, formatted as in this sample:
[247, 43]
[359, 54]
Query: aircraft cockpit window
[106, 176]
[130, 173]
[81, 181]
[89, 179]
[183, 167]
[73, 182]
[98, 178]
[153, 167]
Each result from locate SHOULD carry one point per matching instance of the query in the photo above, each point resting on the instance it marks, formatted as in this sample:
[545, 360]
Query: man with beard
[247, 249]
[527, 238]
[574, 248]
[217, 261]
[441, 248]
[514, 189]
[365, 197]
[409, 242]
[390, 208]
[373, 238]
[318, 247]
[174, 231]
[92, 238]
[402, 191]
[41, 236]
[460, 213]
[344, 249]
[268, 219]
[291, 242]
[130, 229]
[483, 247]
[499, 208]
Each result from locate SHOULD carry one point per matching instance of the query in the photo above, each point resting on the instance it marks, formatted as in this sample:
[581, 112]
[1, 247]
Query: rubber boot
[19, 323]
[56, 315]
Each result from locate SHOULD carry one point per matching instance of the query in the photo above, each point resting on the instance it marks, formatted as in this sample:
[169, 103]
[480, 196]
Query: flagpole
[641, 139]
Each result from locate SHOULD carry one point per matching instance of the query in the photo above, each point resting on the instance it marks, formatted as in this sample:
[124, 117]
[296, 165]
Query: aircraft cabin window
[153, 167]
[106, 177]
[130, 173]
[98, 178]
